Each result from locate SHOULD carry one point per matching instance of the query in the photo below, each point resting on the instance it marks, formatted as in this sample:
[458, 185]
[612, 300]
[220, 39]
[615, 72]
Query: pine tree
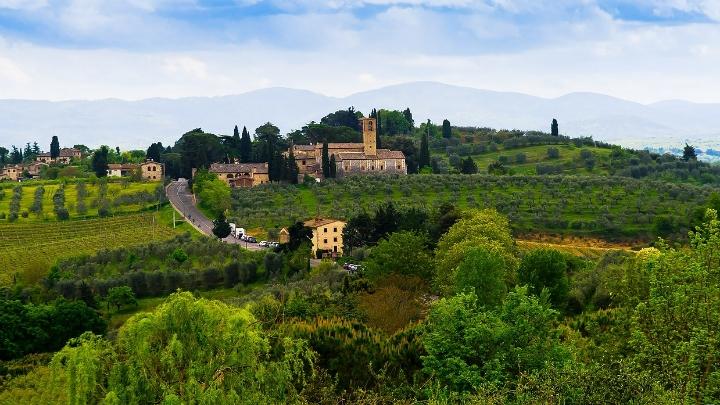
[292, 169]
[245, 146]
[36, 148]
[16, 156]
[689, 153]
[446, 129]
[333, 167]
[409, 118]
[54, 147]
[469, 166]
[554, 129]
[425, 148]
[325, 160]
[100, 161]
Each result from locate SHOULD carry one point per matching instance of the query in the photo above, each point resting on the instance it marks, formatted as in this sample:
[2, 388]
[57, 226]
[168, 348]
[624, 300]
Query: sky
[645, 50]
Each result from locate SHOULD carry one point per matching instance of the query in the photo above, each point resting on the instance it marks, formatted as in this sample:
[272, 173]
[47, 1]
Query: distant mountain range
[135, 124]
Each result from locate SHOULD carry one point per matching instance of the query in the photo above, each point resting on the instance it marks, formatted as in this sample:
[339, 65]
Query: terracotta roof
[304, 147]
[121, 166]
[239, 168]
[317, 222]
[64, 152]
[381, 154]
[344, 146]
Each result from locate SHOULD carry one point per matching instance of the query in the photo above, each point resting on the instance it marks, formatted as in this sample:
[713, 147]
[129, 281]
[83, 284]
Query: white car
[263, 243]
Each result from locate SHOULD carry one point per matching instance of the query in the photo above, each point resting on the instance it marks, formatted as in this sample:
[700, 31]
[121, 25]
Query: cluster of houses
[350, 159]
[19, 171]
[148, 170]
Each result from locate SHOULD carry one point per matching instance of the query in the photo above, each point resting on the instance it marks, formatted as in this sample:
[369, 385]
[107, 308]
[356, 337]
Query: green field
[607, 207]
[28, 249]
[116, 191]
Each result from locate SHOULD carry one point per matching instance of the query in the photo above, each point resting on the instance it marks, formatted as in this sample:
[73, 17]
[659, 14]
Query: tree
[221, 227]
[267, 137]
[3, 155]
[120, 297]
[100, 161]
[358, 231]
[424, 159]
[689, 153]
[468, 166]
[16, 156]
[179, 255]
[403, 253]
[155, 152]
[187, 350]
[54, 147]
[409, 117]
[554, 129]
[198, 150]
[325, 161]
[546, 269]
[477, 228]
[470, 346]
[483, 271]
[347, 118]
[292, 170]
[245, 146]
[298, 234]
[213, 194]
[553, 153]
[333, 167]
[446, 129]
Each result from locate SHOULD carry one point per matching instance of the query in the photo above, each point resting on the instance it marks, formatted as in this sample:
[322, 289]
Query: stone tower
[369, 131]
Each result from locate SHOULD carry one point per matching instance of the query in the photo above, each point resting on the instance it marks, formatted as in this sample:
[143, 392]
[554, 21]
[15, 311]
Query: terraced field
[28, 249]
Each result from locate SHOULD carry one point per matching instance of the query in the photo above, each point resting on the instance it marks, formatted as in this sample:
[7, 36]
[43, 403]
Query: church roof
[381, 154]
[239, 168]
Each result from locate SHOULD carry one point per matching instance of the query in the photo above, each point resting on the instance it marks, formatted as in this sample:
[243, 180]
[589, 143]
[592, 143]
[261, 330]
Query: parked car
[273, 244]
[250, 239]
[263, 243]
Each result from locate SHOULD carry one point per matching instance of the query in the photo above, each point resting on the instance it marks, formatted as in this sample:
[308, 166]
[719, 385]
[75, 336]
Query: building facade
[327, 236]
[12, 172]
[152, 171]
[121, 169]
[351, 158]
[241, 174]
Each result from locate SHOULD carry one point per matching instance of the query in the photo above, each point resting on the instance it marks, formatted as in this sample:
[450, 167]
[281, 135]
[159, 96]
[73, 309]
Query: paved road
[180, 197]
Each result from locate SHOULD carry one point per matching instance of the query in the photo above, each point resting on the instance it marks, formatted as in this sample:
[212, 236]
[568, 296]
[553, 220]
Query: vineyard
[37, 202]
[28, 249]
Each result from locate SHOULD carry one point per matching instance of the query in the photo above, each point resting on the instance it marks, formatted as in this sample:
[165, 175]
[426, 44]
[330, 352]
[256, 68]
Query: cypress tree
[292, 169]
[54, 147]
[325, 160]
[554, 130]
[333, 167]
[425, 148]
[245, 146]
[446, 129]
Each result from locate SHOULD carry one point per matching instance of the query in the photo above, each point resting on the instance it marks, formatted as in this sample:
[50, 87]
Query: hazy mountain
[135, 124]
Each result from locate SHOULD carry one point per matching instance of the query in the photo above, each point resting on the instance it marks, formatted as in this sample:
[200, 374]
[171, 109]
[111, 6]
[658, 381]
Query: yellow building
[12, 173]
[241, 174]
[151, 170]
[65, 157]
[327, 236]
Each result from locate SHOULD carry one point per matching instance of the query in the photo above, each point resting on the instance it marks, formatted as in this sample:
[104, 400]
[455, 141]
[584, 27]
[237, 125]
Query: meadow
[612, 208]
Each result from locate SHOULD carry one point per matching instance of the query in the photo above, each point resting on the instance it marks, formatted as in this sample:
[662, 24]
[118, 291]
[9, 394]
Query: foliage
[221, 227]
[546, 269]
[121, 296]
[213, 194]
[485, 272]
[404, 253]
[100, 161]
[469, 347]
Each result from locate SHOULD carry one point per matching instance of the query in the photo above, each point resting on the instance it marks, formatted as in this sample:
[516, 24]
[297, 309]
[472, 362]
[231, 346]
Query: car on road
[273, 244]
[263, 243]
[250, 239]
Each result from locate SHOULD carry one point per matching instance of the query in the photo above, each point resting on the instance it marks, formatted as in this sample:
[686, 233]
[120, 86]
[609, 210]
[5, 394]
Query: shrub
[553, 153]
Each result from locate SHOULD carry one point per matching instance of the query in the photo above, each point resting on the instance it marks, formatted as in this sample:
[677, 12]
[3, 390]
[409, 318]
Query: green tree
[245, 146]
[333, 167]
[221, 227]
[424, 159]
[485, 272]
[179, 255]
[689, 153]
[3, 155]
[446, 129]
[292, 171]
[409, 117]
[120, 297]
[546, 269]
[54, 147]
[477, 228]
[100, 161]
[554, 128]
[468, 166]
[267, 137]
[213, 194]
[186, 351]
[154, 152]
[198, 150]
[471, 347]
[403, 253]
[325, 161]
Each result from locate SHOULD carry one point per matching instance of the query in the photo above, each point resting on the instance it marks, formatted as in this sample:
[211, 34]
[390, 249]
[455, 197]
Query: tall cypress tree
[425, 148]
[446, 129]
[325, 160]
[554, 129]
[245, 146]
[292, 169]
[54, 147]
[333, 167]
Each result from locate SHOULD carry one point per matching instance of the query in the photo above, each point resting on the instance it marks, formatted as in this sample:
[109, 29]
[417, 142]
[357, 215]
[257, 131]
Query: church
[351, 158]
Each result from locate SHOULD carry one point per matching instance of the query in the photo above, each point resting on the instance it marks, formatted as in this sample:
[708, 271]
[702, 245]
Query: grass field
[28, 249]
[115, 190]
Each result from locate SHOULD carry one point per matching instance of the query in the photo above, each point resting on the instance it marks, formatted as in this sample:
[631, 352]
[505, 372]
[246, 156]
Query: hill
[664, 124]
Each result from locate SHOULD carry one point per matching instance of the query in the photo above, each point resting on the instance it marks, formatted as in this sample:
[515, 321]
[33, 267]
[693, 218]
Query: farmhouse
[34, 168]
[66, 155]
[327, 236]
[121, 169]
[12, 173]
[151, 170]
[351, 158]
[241, 174]
[148, 170]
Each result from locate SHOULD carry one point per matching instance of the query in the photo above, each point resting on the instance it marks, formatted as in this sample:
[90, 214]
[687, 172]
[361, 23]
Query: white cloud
[186, 66]
[11, 72]
[22, 4]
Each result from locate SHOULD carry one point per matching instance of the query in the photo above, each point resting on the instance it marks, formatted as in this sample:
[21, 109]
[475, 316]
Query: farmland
[30, 248]
[607, 207]
[82, 200]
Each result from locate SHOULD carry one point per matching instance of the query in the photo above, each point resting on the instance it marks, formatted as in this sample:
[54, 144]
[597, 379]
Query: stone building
[121, 169]
[351, 158]
[11, 172]
[151, 170]
[65, 157]
[241, 174]
[327, 236]
[148, 170]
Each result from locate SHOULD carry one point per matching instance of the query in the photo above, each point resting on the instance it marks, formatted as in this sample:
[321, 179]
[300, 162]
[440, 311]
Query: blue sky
[645, 50]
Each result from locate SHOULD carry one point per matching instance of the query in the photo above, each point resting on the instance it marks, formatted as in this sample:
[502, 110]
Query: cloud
[186, 66]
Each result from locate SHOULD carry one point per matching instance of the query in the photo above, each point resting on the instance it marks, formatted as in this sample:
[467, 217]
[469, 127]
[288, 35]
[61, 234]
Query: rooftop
[239, 168]
[318, 222]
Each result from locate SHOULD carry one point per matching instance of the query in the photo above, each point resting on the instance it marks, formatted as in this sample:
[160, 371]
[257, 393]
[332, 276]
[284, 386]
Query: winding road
[179, 196]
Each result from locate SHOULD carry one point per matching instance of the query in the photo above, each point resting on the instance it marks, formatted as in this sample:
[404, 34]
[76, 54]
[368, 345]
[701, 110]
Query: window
[335, 249]
[334, 239]
[324, 240]
[334, 229]
[324, 230]
[303, 163]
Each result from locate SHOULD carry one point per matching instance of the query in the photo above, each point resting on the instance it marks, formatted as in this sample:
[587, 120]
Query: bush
[520, 158]
[553, 153]
[546, 269]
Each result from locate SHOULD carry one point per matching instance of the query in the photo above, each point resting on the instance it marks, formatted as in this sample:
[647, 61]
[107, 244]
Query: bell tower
[369, 131]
